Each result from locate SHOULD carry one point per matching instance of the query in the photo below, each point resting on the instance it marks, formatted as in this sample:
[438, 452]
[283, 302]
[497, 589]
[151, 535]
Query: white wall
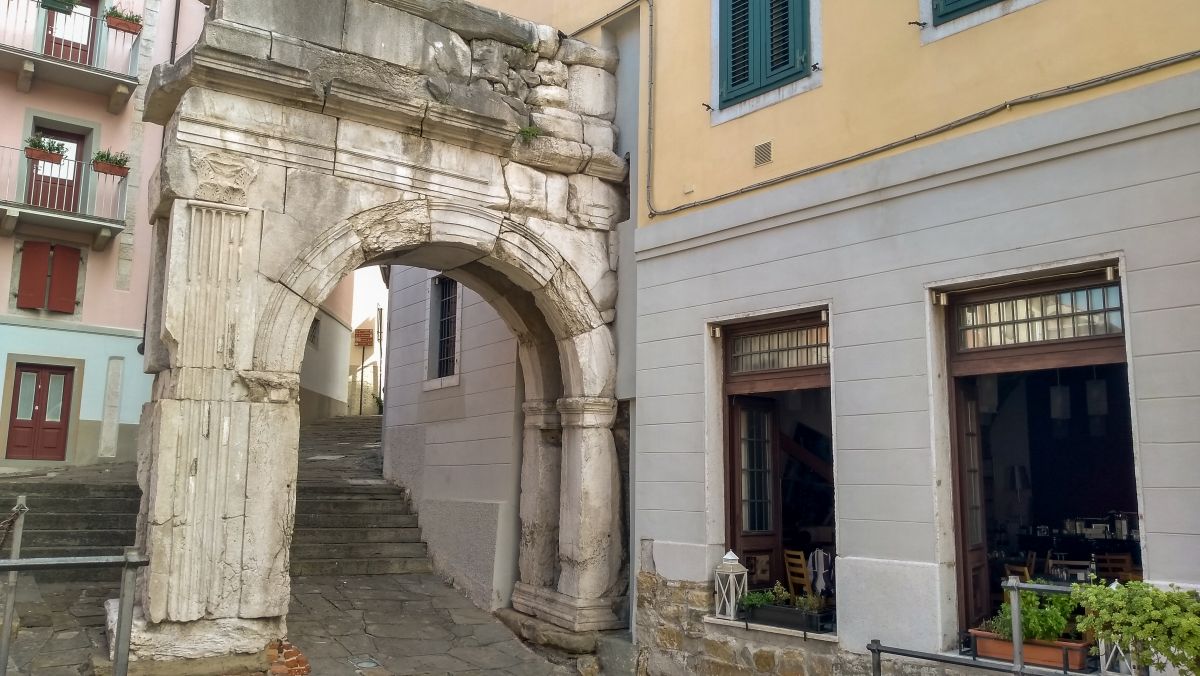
[326, 365]
[1119, 176]
[457, 448]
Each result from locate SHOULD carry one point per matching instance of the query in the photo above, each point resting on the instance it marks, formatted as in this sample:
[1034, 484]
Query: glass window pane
[1112, 297]
[1096, 299]
[1049, 306]
[1115, 322]
[54, 398]
[25, 396]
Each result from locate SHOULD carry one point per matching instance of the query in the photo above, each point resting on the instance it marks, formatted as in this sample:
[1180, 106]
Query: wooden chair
[796, 565]
[1022, 572]
[1031, 561]
[1049, 558]
[1116, 567]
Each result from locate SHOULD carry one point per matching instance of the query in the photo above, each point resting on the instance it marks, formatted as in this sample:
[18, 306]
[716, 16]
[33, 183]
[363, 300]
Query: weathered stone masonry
[306, 138]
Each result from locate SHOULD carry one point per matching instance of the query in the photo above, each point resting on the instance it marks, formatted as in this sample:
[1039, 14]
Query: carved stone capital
[597, 412]
[541, 415]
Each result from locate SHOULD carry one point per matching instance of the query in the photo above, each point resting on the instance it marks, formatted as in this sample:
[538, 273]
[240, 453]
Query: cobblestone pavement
[406, 624]
[61, 626]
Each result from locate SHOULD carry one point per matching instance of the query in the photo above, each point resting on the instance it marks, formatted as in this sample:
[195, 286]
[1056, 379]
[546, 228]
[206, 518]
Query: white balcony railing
[81, 38]
[70, 188]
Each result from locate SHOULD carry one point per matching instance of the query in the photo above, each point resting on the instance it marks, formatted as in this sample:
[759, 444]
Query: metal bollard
[1018, 639]
[876, 658]
[125, 612]
[10, 586]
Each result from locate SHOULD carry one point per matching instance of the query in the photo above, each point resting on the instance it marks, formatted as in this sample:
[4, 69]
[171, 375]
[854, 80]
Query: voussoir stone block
[387, 34]
[558, 122]
[592, 91]
[548, 41]
[552, 154]
[552, 72]
[471, 21]
[548, 96]
[579, 53]
[596, 203]
[318, 21]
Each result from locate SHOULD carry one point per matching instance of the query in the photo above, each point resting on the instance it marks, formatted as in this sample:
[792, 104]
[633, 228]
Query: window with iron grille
[445, 331]
[764, 44]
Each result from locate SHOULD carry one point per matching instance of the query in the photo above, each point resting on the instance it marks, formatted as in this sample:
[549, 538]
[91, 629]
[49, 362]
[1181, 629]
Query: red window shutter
[64, 279]
[35, 263]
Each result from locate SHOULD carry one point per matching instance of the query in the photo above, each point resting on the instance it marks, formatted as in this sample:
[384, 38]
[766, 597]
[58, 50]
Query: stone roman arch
[304, 139]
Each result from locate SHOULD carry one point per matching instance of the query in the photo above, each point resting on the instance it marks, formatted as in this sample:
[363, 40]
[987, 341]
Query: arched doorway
[263, 205]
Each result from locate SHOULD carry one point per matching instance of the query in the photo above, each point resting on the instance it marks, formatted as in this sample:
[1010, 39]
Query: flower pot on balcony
[64, 6]
[43, 155]
[123, 25]
[110, 169]
[1039, 653]
[792, 618]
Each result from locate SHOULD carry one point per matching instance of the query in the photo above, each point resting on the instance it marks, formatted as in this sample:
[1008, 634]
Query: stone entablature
[306, 138]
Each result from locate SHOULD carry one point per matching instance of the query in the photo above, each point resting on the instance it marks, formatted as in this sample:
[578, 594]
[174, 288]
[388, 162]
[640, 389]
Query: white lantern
[731, 586]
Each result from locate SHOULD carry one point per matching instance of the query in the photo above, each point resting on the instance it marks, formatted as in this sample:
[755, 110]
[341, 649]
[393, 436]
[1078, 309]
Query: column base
[569, 612]
[195, 640]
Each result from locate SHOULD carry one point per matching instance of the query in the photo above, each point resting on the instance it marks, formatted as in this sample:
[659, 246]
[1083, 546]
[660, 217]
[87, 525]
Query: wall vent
[762, 154]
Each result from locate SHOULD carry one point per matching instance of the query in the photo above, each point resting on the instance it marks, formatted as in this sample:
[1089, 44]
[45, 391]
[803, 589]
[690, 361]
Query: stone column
[588, 595]
[541, 461]
[218, 457]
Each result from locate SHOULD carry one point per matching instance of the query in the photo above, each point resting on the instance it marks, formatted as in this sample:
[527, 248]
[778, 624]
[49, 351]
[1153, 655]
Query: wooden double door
[40, 416]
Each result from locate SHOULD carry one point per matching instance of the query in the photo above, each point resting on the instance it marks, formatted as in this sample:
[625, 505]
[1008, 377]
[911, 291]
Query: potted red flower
[108, 162]
[38, 147]
[126, 22]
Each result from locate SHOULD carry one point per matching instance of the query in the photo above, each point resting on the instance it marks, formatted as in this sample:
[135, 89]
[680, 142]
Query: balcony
[70, 195]
[77, 50]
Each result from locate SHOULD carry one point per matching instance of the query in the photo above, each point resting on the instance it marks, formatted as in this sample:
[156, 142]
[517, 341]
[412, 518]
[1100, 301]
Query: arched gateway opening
[296, 154]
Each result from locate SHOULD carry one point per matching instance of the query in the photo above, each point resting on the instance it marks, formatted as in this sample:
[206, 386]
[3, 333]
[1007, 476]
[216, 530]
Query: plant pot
[1038, 653]
[123, 25]
[792, 618]
[63, 6]
[111, 169]
[43, 155]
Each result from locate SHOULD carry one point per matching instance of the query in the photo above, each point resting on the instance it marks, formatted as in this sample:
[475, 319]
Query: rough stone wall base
[198, 640]
[674, 640]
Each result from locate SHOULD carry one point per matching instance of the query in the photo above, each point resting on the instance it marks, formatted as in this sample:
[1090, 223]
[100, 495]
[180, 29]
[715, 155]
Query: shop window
[780, 459]
[764, 44]
[443, 328]
[49, 277]
[1043, 445]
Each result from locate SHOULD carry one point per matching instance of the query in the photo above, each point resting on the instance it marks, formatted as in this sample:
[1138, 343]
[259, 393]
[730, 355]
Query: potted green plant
[120, 20]
[1153, 627]
[38, 147]
[1045, 621]
[777, 607]
[108, 162]
[64, 6]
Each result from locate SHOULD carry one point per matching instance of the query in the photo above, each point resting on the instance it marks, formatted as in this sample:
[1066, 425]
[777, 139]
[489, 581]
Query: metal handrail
[72, 186]
[1014, 587]
[77, 38]
[129, 562]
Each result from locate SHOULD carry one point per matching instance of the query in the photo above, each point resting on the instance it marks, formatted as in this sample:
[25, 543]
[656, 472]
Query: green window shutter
[764, 44]
[947, 10]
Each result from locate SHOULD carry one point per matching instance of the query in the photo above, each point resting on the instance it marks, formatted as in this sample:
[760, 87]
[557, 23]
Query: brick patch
[287, 660]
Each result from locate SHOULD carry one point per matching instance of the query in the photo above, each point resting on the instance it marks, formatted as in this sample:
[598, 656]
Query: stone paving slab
[407, 624]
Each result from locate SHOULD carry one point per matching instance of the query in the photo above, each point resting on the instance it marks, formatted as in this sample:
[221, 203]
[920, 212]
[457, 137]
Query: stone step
[345, 506]
[356, 520]
[69, 551]
[77, 538]
[307, 536]
[81, 521]
[325, 492]
[81, 505]
[361, 566]
[11, 488]
[358, 550]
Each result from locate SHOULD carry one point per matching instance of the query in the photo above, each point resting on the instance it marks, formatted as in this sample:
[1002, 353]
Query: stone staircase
[69, 519]
[349, 521]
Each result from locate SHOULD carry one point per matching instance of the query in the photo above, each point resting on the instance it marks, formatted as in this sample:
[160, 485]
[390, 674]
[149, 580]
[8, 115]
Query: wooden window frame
[53, 285]
[774, 380]
[1058, 353]
[1062, 353]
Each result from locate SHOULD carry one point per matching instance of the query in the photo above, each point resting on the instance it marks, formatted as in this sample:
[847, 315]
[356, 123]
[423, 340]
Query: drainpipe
[175, 30]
